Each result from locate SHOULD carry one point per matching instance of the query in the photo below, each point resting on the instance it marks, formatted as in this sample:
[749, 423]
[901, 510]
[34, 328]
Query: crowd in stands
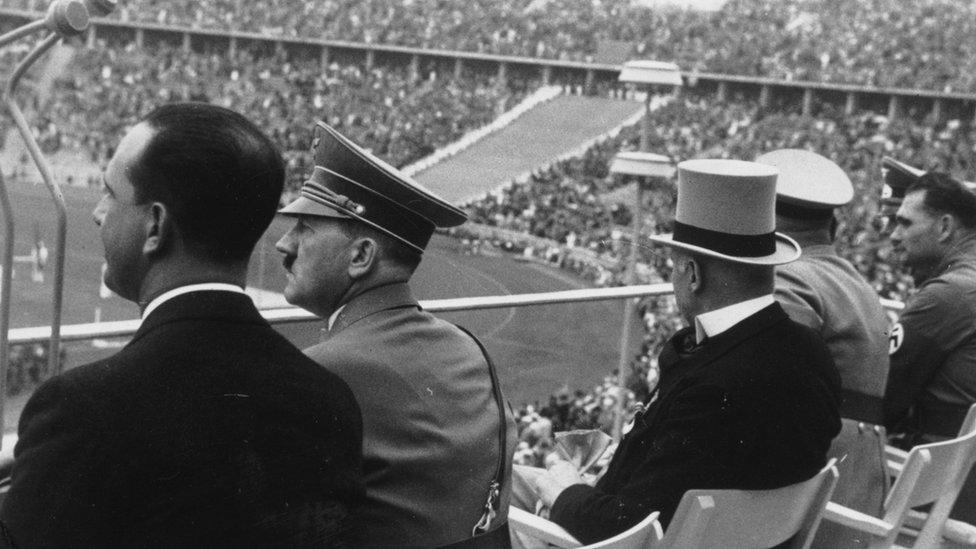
[927, 44]
[568, 201]
[385, 108]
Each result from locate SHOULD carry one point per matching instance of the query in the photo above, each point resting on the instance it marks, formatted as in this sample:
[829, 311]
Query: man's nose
[284, 244]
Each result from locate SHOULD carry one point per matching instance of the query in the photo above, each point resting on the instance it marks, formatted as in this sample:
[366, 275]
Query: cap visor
[787, 250]
[304, 206]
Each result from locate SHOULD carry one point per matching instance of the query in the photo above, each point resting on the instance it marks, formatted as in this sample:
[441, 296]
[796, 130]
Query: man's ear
[159, 229]
[946, 225]
[364, 256]
[693, 268]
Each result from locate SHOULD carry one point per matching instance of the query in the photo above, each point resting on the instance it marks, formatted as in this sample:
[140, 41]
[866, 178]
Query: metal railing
[124, 328]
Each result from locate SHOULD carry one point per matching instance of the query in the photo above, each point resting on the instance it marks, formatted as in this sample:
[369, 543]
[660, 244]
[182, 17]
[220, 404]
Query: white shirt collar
[334, 316]
[209, 286]
[712, 323]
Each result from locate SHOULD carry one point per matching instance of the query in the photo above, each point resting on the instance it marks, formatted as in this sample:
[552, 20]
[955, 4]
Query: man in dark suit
[747, 398]
[438, 439]
[208, 428]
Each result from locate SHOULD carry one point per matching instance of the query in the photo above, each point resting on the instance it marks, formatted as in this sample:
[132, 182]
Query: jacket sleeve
[687, 446]
[927, 331]
[58, 465]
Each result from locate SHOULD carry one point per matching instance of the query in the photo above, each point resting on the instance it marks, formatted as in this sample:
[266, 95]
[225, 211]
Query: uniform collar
[965, 249]
[207, 286]
[334, 316]
[389, 296]
[712, 323]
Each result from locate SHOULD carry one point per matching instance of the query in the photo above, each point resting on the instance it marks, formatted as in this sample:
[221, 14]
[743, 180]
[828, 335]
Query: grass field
[537, 349]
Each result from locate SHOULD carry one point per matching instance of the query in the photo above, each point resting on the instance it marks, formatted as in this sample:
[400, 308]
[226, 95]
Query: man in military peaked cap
[898, 177]
[825, 292]
[742, 381]
[438, 441]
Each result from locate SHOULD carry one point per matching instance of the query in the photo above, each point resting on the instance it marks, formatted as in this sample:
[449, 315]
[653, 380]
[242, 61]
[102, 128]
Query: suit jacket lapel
[390, 296]
[202, 305]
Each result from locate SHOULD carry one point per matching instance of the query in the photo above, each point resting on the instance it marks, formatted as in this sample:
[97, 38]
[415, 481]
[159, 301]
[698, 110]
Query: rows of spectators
[399, 117]
[576, 202]
[926, 44]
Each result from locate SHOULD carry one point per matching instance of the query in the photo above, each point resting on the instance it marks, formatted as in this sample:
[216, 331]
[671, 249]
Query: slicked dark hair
[218, 174]
[945, 195]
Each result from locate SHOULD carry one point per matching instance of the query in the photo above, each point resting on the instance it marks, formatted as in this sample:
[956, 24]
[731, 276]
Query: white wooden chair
[928, 474]
[639, 535]
[714, 519]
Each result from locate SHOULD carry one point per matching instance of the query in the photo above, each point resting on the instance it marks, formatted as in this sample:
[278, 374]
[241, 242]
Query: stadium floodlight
[650, 73]
[648, 166]
[101, 8]
[642, 164]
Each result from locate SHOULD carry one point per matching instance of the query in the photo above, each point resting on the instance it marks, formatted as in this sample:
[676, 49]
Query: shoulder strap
[494, 489]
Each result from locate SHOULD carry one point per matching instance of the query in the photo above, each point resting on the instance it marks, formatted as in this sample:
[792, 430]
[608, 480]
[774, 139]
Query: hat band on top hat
[740, 245]
[359, 202]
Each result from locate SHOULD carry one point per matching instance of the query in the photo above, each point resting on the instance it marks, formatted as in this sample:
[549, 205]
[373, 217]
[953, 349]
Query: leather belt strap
[861, 407]
[493, 500]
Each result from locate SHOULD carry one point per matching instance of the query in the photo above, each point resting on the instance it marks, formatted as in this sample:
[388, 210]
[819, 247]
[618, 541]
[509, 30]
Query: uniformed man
[438, 441]
[932, 381]
[823, 291]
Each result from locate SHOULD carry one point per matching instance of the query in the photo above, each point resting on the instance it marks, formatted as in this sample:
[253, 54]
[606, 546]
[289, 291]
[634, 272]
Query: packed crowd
[926, 44]
[384, 108]
[568, 202]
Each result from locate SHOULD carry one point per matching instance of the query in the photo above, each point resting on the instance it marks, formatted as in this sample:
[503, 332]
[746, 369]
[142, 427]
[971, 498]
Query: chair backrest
[523, 523]
[751, 518]
[636, 537]
[968, 424]
[932, 474]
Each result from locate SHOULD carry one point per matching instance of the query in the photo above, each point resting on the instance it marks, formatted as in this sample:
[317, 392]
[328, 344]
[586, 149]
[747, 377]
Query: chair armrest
[953, 530]
[894, 460]
[540, 528]
[857, 520]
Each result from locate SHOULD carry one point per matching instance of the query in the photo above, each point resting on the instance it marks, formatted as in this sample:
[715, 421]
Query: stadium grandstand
[417, 82]
[887, 43]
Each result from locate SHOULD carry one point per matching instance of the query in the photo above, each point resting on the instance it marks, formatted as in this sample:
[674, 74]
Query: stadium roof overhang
[643, 164]
[646, 72]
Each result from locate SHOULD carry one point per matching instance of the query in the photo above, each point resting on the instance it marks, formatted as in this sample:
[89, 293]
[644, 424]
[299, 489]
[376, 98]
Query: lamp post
[645, 166]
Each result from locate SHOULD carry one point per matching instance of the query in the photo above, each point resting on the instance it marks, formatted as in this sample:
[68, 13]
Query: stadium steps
[545, 133]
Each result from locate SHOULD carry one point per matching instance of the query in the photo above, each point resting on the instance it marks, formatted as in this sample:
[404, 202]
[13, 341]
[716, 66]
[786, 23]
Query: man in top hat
[823, 291]
[747, 398]
[208, 428]
[932, 382]
[438, 440]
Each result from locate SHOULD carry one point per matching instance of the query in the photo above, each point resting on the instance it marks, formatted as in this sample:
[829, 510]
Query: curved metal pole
[54, 351]
[6, 282]
[23, 31]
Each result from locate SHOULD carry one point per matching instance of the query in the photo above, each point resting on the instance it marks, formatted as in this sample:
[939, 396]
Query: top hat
[809, 186]
[726, 210]
[350, 183]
